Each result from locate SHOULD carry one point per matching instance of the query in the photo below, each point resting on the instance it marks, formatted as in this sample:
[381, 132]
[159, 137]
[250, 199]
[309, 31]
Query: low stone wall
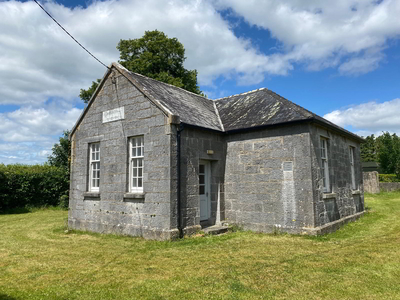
[389, 186]
[371, 182]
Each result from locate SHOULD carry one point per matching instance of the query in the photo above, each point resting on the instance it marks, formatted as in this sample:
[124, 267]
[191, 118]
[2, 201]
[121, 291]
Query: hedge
[32, 186]
[388, 178]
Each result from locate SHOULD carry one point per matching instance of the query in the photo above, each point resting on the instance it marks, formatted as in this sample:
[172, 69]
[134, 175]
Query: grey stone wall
[342, 201]
[371, 182]
[389, 186]
[194, 145]
[259, 194]
[111, 212]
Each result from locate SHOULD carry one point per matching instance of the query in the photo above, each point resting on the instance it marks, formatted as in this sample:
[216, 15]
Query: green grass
[38, 260]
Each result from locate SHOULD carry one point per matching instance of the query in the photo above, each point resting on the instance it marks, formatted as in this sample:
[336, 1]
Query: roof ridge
[171, 85]
[241, 94]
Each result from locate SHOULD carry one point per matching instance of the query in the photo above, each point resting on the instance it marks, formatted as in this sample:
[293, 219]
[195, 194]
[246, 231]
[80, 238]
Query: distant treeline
[384, 149]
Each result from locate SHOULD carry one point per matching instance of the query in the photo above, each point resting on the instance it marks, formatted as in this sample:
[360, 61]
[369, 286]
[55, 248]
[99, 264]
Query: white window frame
[94, 167]
[136, 164]
[324, 164]
[353, 175]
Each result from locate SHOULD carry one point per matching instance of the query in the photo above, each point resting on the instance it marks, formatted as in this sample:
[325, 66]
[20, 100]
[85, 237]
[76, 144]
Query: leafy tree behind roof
[156, 56]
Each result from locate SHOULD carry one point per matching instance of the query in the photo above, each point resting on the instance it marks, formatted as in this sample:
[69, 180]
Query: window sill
[133, 196]
[355, 192]
[91, 195]
[328, 195]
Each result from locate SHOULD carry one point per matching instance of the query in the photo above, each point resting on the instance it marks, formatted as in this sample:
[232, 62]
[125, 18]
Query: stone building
[153, 160]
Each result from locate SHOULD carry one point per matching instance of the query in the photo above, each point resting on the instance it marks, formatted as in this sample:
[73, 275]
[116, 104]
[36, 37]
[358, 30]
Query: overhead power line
[71, 35]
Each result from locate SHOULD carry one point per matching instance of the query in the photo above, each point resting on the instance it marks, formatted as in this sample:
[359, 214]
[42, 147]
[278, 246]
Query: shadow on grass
[29, 209]
[14, 211]
[6, 297]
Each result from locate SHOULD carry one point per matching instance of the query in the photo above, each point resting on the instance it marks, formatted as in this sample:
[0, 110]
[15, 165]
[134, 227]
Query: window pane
[139, 151]
[135, 162]
[98, 174]
[140, 184]
[93, 156]
[140, 162]
[98, 156]
[201, 190]
[201, 179]
[134, 182]
[134, 172]
[201, 169]
[140, 172]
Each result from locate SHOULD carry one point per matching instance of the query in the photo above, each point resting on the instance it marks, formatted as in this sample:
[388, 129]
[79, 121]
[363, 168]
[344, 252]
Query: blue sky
[341, 60]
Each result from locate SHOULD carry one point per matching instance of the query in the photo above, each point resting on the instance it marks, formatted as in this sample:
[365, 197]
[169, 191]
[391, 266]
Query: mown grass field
[38, 260]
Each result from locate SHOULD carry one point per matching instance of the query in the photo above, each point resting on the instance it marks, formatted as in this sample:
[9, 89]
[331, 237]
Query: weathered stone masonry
[111, 210]
[259, 194]
[264, 153]
[342, 201]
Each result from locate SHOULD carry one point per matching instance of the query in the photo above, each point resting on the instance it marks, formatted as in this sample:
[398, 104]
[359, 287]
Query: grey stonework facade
[113, 210]
[260, 194]
[262, 173]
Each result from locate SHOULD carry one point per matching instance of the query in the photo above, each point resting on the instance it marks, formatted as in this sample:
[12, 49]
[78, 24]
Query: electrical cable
[70, 35]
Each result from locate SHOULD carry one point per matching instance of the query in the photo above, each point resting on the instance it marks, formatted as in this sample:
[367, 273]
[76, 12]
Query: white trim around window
[353, 175]
[94, 167]
[136, 163]
[324, 164]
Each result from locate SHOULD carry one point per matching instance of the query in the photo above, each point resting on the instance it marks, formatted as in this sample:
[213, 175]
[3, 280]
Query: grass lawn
[38, 260]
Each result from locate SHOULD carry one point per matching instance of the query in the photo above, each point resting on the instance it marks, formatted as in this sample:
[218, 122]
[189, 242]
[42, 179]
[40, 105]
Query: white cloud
[40, 61]
[28, 134]
[368, 118]
[321, 34]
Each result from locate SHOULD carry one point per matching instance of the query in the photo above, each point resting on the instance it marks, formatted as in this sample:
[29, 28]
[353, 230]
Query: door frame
[207, 187]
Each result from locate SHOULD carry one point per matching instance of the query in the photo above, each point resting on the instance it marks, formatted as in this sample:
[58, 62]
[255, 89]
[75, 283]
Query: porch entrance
[204, 189]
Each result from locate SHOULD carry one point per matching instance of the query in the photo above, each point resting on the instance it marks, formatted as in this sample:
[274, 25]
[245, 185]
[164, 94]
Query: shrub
[388, 178]
[32, 186]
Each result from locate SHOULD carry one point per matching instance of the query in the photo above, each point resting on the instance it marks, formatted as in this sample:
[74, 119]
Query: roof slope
[258, 108]
[192, 109]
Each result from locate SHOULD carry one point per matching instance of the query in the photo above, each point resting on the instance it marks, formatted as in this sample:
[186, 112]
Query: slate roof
[191, 108]
[253, 109]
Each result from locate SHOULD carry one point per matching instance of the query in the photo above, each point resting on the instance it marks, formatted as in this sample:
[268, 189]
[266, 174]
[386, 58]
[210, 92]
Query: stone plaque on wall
[287, 166]
[113, 114]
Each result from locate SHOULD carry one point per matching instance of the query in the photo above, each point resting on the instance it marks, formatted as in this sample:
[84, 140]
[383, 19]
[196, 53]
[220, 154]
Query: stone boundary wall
[371, 182]
[389, 186]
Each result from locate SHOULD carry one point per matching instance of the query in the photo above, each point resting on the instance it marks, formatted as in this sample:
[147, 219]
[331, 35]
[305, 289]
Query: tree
[61, 153]
[369, 149]
[61, 158]
[85, 95]
[156, 56]
[389, 153]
